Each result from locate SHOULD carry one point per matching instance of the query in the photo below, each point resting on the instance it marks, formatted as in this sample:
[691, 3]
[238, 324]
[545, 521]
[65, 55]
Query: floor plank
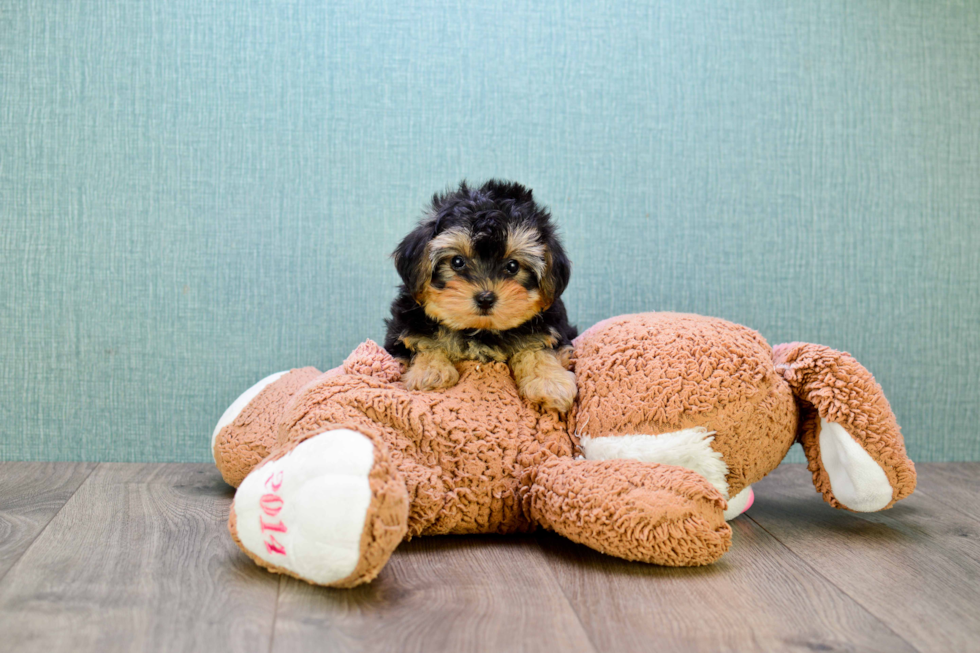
[139, 559]
[955, 484]
[30, 495]
[758, 597]
[916, 567]
[438, 594]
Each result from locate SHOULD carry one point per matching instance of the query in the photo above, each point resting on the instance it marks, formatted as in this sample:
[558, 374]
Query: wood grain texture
[916, 567]
[955, 484]
[438, 594]
[758, 597]
[30, 495]
[139, 559]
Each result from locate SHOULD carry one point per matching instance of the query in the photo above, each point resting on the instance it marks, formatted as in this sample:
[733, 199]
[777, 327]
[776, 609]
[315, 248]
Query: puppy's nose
[485, 300]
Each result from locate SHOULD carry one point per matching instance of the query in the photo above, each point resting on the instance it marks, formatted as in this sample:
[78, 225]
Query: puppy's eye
[512, 267]
[458, 263]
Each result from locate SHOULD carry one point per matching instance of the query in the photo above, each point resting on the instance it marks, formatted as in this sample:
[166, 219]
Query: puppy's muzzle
[485, 301]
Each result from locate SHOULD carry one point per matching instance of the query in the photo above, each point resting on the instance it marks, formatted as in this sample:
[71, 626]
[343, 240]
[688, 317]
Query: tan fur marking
[431, 369]
[565, 356]
[515, 304]
[454, 307]
[524, 245]
[423, 268]
[541, 379]
[451, 240]
[547, 283]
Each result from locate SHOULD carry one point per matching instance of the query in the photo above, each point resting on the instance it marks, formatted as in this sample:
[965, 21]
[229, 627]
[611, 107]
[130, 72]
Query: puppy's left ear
[557, 271]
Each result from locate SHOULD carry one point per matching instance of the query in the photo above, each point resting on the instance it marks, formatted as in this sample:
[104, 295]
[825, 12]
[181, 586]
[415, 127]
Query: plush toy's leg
[328, 508]
[649, 512]
[848, 431]
[688, 448]
[247, 431]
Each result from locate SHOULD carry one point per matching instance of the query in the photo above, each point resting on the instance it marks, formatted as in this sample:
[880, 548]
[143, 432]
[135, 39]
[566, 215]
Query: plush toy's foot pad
[858, 482]
[740, 503]
[649, 512]
[328, 511]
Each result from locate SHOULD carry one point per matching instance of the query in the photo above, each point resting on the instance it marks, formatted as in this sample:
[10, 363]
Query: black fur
[485, 212]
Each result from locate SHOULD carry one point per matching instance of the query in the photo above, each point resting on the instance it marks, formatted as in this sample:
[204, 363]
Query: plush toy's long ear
[848, 431]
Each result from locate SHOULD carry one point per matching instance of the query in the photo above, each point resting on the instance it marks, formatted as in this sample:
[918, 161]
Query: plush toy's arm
[249, 429]
[649, 512]
[852, 442]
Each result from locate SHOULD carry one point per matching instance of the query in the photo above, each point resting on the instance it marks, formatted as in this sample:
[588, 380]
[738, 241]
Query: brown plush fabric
[833, 385]
[638, 511]
[655, 373]
[252, 435]
[459, 449]
[366, 360]
[475, 458]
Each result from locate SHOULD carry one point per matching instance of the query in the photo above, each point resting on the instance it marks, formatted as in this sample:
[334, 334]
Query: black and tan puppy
[483, 274]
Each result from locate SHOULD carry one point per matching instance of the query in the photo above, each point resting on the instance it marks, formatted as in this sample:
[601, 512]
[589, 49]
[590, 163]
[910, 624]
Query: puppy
[483, 273]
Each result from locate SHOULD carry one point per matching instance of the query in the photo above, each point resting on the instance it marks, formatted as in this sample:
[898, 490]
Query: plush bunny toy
[676, 417]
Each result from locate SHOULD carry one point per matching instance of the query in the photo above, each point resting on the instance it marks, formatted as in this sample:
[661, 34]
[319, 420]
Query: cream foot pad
[306, 511]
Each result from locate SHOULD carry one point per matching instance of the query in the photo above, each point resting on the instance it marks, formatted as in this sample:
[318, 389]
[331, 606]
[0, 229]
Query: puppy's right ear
[557, 272]
[412, 258]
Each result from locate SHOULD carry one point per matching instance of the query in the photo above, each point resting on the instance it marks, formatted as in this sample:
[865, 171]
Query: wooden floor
[122, 557]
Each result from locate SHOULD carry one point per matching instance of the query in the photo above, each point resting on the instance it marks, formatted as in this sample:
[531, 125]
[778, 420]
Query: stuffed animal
[676, 417]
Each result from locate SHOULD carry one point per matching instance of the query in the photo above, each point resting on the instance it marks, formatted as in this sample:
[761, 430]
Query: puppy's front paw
[555, 388]
[430, 373]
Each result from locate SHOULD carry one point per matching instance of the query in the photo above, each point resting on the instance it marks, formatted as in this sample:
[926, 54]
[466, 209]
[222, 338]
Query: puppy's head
[484, 258]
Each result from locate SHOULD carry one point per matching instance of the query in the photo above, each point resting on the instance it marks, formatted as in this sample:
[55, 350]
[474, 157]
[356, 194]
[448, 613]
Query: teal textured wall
[196, 193]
